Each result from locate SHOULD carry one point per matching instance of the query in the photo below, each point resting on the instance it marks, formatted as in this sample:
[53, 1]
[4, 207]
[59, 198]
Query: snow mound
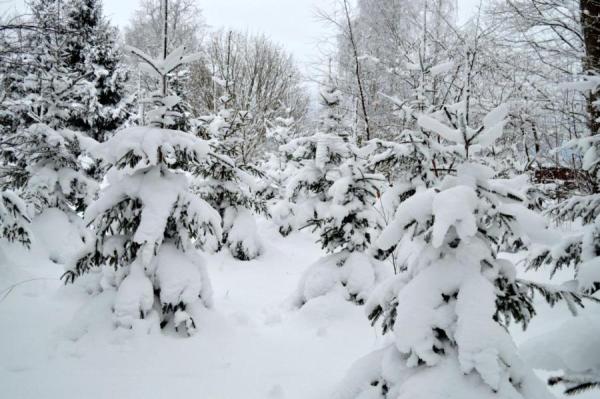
[182, 277]
[572, 347]
[384, 374]
[134, 298]
[61, 247]
[242, 236]
[352, 275]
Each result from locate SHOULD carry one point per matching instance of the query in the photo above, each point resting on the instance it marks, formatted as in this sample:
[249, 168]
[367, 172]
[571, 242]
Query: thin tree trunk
[363, 102]
[590, 26]
[165, 33]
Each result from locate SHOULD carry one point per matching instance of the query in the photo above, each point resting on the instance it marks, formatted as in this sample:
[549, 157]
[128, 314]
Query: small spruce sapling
[46, 166]
[147, 222]
[279, 169]
[333, 118]
[229, 185]
[449, 310]
[279, 132]
[290, 213]
[334, 194]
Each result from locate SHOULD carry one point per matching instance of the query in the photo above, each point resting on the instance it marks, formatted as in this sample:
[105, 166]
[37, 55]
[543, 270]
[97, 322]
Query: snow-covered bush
[14, 219]
[147, 222]
[293, 155]
[337, 194]
[71, 76]
[449, 310]
[333, 119]
[242, 234]
[92, 54]
[572, 347]
[276, 169]
[230, 186]
[49, 168]
[46, 165]
[579, 250]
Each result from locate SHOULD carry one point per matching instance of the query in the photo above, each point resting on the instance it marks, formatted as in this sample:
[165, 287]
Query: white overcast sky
[291, 23]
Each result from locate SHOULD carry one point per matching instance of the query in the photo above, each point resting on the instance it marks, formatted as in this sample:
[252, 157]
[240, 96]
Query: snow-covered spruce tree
[333, 119]
[579, 250]
[72, 76]
[40, 158]
[334, 194]
[37, 86]
[414, 160]
[414, 156]
[45, 166]
[14, 219]
[279, 132]
[230, 186]
[278, 170]
[292, 211]
[147, 221]
[92, 52]
[400, 163]
[290, 214]
[449, 310]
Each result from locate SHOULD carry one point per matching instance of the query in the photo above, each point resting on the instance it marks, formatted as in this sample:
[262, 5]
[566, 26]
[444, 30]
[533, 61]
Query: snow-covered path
[249, 346]
[58, 342]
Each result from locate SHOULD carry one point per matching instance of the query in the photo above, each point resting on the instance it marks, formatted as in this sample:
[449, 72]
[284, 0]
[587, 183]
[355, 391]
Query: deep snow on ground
[58, 342]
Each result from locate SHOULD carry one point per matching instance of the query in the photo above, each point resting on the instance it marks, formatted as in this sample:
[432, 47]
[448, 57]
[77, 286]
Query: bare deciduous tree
[185, 24]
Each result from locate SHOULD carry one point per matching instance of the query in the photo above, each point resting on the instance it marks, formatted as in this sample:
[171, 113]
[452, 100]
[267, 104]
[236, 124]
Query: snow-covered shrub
[579, 250]
[275, 167]
[242, 237]
[14, 219]
[48, 168]
[46, 165]
[147, 222]
[73, 77]
[449, 310]
[230, 186]
[337, 194]
[293, 156]
[333, 118]
[282, 214]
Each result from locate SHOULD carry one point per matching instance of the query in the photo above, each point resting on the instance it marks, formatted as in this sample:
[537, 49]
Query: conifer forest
[192, 209]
